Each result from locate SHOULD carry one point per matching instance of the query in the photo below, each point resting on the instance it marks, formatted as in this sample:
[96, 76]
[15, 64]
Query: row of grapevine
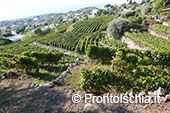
[149, 40]
[86, 27]
[132, 70]
[144, 57]
[125, 78]
[88, 40]
[29, 61]
[162, 29]
[20, 46]
[93, 24]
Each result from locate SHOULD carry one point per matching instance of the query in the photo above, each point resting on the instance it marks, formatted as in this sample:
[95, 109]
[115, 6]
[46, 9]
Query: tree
[118, 27]
[20, 29]
[38, 31]
[160, 4]
[130, 1]
[7, 34]
[99, 12]
[74, 20]
[107, 6]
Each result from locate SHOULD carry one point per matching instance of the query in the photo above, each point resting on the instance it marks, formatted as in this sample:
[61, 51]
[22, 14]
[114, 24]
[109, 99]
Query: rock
[162, 99]
[168, 97]
[70, 92]
[131, 94]
[57, 82]
[151, 94]
[71, 65]
[90, 108]
[76, 63]
[86, 60]
[32, 85]
[78, 59]
[51, 85]
[66, 72]
[3, 77]
[43, 87]
[68, 69]
[142, 94]
[11, 74]
[127, 94]
[161, 92]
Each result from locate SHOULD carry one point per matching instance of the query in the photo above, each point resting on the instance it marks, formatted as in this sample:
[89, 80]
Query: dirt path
[17, 96]
[70, 28]
[52, 48]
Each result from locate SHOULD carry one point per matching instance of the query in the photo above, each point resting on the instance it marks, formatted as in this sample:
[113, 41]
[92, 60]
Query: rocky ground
[20, 95]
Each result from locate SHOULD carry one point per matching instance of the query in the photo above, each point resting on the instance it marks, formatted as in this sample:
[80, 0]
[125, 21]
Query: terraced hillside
[149, 40]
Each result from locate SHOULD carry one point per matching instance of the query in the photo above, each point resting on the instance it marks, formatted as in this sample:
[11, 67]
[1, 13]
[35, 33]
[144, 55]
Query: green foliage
[38, 32]
[93, 24]
[7, 62]
[114, 43]
[127, 14]
[4, 41]
[107, 6]
[162, 29]
[74, 20]
[149, 40]
[102, 54]
[118, 27]
[20, 29]
[132, 70]
[26, 63]
[97, 81]
[160, 4]
[62, 28]
[45, 57]
[7, 34]
[46, 31]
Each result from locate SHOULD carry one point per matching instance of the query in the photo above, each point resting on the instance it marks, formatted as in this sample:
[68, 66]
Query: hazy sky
[11, 9]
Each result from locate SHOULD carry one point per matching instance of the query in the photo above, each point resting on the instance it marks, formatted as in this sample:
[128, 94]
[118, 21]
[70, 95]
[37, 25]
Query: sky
[13, 9]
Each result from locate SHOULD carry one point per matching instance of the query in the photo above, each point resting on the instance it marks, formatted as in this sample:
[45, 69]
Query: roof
[163, 10]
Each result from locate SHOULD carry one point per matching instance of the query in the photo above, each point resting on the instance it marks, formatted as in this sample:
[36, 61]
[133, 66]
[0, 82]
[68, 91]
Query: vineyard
[149, 40]
[84, 33]
[131, 70]
[92, 25]
[162, 29]
[19, 47]
[114, 43]
[4, 41]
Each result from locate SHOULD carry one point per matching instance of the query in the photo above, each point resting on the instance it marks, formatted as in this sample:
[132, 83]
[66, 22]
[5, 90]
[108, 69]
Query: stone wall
[155, 33]
[166, 23]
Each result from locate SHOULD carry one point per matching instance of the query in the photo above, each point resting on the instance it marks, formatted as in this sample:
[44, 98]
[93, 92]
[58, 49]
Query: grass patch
[74, 79]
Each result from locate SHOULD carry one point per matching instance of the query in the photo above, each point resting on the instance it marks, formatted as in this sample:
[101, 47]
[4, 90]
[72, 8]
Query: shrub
[102, 54]
[118, 27]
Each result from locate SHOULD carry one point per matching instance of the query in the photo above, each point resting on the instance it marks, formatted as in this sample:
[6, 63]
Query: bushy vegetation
[162, 29]
[102, 54]
[127, 14]
[93, 24]
[132, 70]
[149, 40]
[4, 41]
[118, 27]
[114, 43]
